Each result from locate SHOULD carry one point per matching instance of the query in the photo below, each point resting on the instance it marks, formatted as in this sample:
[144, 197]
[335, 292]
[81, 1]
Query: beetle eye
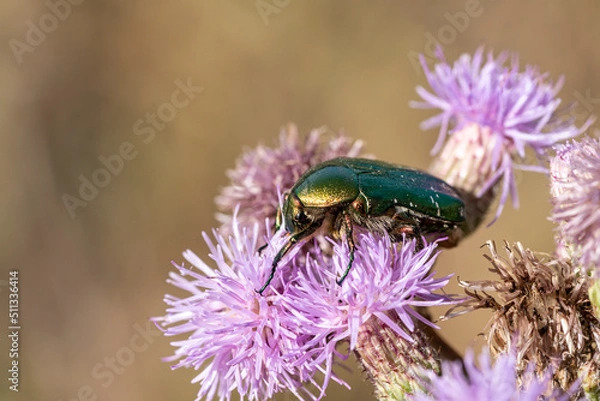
[301, 217]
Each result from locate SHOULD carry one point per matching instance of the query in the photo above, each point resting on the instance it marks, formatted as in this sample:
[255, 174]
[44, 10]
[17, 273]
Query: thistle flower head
[239, 340]
[510, 110]
[545, 302]
[385, 283]
[260, 345]
[575, 189]
[497, 380]
[262, 173]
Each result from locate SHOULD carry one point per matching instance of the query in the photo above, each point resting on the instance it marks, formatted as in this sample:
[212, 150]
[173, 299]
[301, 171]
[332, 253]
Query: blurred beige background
[90, 280]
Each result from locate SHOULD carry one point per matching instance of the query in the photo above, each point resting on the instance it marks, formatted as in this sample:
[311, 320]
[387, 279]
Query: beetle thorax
[331, 186]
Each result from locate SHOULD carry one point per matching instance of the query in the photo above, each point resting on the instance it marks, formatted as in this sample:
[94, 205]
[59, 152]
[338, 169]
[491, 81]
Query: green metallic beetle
[378, 196]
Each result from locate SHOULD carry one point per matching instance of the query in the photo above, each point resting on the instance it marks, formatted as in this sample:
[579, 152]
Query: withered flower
[542, 309]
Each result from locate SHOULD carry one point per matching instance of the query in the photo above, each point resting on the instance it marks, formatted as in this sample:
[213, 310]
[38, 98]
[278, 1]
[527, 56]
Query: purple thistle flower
[239, 340]
[498, 381]
[575, 188]
[260, 345]
[262, 173]
[510, 110]
[385, 283]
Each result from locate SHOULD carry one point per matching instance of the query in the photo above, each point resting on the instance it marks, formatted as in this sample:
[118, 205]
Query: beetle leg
[276, 260]
[284, 250]
[347, 229]
[278, 219]
[411, 229]
[262, 248]
[419, 239]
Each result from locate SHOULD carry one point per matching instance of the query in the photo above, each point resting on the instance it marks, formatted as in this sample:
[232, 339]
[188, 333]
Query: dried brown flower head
[542, 309]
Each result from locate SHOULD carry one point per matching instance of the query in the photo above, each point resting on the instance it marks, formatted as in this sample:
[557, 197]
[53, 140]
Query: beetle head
[301, 221]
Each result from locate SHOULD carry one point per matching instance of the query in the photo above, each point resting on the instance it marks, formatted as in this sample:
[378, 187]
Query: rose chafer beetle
[381, 197]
